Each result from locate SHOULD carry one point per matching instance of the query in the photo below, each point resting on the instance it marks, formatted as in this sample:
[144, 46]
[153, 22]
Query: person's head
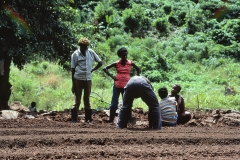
[122, 53]
[33, 104]
[163, 92]
[176, 89]
[83, 43]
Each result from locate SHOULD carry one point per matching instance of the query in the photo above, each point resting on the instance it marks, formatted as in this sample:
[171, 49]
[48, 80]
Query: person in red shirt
[183, 116]
[123, 68]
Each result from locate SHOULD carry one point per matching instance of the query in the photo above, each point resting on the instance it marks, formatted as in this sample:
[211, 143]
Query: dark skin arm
[107, 72]
[137, 68]
[97, 66]
[114, 65]
[181, 107]
[73, 84]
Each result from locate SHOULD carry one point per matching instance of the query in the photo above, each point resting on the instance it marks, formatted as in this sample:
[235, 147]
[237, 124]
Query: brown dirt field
[209, 135]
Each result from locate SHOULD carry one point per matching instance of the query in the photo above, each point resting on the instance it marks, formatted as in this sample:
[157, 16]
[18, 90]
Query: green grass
[202, 87]
[42, 82]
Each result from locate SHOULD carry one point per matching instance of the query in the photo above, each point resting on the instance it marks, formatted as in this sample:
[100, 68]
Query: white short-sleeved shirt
[83, 64]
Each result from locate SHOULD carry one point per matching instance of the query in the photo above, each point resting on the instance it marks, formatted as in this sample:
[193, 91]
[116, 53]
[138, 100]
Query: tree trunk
[5, 85]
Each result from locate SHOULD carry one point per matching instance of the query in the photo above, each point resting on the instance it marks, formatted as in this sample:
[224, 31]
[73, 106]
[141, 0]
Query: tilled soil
[52, 135]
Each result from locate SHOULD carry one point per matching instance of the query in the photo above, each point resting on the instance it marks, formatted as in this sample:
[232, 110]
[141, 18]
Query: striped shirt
[168, 110]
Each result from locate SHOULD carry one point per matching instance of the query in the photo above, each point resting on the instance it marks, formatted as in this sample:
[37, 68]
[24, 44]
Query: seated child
[183, 116]
[32, 108]
[167, 108]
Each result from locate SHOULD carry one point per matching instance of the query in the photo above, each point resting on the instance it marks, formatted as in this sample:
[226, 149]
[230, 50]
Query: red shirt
[123, 73]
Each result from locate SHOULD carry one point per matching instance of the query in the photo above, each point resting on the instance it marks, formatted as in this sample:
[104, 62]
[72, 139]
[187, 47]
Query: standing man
[139, 86]
[81, 63]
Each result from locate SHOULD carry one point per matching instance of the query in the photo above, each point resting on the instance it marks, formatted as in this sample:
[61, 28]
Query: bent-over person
[139, 87]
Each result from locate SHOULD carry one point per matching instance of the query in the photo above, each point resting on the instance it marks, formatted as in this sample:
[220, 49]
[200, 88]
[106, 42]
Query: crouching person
[183, 116]
[168, 108]
[137, 87]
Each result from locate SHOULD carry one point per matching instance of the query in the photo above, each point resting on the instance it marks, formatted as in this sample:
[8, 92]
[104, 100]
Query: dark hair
[178, 86]
[33, 104]
[163, 92]
[123, 49]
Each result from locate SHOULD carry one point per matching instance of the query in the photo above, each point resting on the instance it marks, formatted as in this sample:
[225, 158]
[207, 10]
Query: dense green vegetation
[204, 87]
[191, 42]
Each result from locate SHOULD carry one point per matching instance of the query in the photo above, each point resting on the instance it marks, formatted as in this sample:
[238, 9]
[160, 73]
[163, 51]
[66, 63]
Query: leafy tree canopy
[31, 28]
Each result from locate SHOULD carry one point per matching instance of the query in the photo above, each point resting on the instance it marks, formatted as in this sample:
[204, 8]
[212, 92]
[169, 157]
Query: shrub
[104, 51]
[122, 4]
[116, 41]
[181, 18]
[137, 53]
[44, 65]
[180, 56]
[222, 37]
[231, 51]
[191, 56]
[154, 67]
[233, 27]
[211, 24]
[167, 9]
[102, 10]
[139, 48]
[173, 20]
[149, 43]
[161, 25]
[113, 32]
[214, 62]
[35, 63]
[211, 6]
[154, 76]
[192, 27]
[133, 18]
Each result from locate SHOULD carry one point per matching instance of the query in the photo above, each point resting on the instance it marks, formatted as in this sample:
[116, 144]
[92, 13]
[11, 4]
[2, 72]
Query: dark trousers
[182, 119]
[139, 88]
[84, 86]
